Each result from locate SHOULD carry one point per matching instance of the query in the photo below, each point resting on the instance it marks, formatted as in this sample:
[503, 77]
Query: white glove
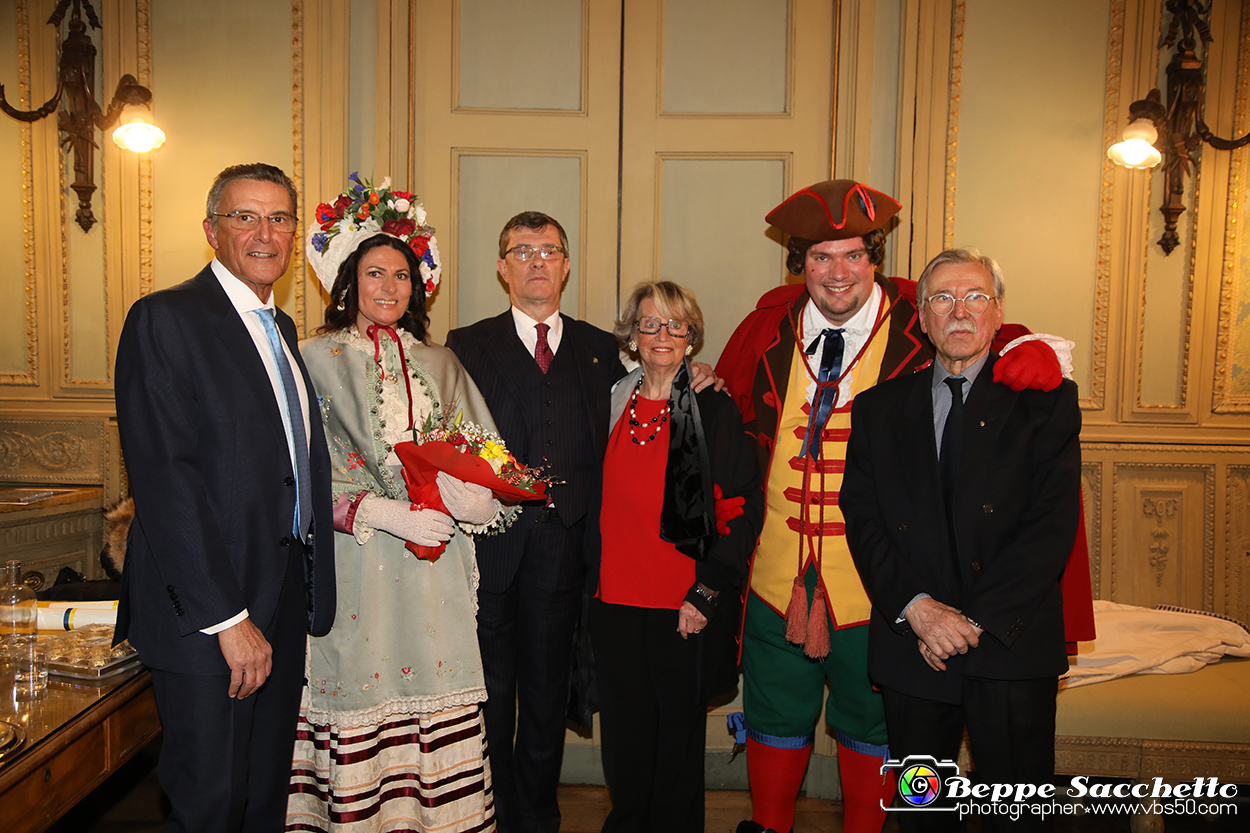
[467, 502]
[426, 527]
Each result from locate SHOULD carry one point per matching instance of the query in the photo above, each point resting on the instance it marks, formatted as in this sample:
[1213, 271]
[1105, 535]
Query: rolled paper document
[68, 618]
[101, 605]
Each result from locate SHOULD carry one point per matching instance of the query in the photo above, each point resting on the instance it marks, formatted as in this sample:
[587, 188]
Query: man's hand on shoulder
[702, 375]
[942, 629]
[249, 656]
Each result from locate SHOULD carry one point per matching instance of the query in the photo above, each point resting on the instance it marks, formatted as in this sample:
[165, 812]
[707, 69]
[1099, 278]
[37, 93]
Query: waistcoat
[560, 439]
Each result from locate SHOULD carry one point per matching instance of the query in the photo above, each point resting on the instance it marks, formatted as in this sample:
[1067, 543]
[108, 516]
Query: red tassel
[817, 646]
[796, 613]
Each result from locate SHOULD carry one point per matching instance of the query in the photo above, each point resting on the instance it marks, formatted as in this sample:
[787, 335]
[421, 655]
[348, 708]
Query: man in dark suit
[547, 379]
[230, 558]
[962, 549]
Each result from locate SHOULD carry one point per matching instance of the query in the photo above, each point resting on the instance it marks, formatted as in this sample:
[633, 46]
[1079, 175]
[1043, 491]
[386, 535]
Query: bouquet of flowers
[363, 211]
[445, 442]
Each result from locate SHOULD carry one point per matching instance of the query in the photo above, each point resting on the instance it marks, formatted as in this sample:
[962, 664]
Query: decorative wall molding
[1163, 508]
[952, 122]
[1108, 757]
[585, 78]
[1154, 505]
[1139, 261]
[63, 533]
[1237, 542]
[1166, 448]
[22, 532]
[1182, 403]
[1096, 397]
[299, 273]
[1235, 285]
[1174, 761]
[52, 451]
[62, 249]
[451, 283]
[31, 377]
[147, 181]
[1091, 472]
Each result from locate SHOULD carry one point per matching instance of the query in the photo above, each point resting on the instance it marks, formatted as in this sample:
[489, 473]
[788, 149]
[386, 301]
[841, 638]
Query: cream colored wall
[928, 99]
[1039, 219]
[223, 94]
[221, 89]
[13, 252]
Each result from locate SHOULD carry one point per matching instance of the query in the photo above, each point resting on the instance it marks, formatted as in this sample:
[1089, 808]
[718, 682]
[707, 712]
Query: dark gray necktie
[294, 416]
[952, 448]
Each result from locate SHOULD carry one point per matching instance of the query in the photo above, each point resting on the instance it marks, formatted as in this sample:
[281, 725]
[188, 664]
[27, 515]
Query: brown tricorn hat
[833, 210]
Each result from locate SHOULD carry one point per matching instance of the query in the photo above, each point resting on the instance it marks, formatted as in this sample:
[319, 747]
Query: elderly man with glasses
[963, 560]
[794, 366]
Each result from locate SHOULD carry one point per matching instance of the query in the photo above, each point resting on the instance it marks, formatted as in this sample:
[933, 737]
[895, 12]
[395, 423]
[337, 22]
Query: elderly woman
[666, 615]
[391, 732]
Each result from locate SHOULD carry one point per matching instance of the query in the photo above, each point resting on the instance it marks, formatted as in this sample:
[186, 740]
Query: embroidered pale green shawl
[405, 634]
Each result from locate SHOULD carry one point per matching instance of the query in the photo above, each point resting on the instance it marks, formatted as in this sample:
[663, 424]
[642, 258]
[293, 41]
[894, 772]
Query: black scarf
[688, 518]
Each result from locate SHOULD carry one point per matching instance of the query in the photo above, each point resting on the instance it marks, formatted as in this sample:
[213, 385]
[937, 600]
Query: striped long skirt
[411, 772]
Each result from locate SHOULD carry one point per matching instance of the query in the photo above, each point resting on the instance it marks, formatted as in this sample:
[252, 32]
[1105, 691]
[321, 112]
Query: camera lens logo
[919, 785]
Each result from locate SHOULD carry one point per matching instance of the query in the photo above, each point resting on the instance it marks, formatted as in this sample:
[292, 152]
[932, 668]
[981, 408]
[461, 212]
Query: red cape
[758, 331]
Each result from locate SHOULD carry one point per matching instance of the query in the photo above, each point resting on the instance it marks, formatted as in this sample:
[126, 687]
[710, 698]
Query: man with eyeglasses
[230, 560]
[546, 378]
[963, 561]
[794, 366]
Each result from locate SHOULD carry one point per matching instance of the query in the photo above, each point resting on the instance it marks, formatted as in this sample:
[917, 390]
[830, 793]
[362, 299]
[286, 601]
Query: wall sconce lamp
[1180, 123]
[81, 117]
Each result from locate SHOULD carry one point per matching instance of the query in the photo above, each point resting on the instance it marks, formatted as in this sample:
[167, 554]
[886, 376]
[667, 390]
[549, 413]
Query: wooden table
[76, 737]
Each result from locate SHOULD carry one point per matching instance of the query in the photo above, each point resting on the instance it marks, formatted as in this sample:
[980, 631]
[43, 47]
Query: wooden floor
[132, 802]
[584, 809]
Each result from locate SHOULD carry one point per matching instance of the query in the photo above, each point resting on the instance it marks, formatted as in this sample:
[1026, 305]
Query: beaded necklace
[658, 420]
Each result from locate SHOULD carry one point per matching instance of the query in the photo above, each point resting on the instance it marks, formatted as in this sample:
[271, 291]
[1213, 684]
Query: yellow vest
[792, 537]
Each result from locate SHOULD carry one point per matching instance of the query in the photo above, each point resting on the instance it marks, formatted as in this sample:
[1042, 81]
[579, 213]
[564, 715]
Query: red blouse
[637, 568]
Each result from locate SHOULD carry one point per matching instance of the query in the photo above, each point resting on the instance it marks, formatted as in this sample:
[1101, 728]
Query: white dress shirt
[527, 330]
[245, 302]
[854, 336]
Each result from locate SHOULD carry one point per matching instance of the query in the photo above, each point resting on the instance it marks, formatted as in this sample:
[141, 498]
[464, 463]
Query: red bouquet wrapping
[466, 452]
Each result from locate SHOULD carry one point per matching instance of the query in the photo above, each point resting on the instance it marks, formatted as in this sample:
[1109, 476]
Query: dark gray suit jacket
[209, 467]
[1016, 517]
[495, 357]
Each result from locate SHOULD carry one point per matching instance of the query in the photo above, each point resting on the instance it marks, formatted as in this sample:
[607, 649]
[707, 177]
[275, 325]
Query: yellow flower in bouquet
[495, 454]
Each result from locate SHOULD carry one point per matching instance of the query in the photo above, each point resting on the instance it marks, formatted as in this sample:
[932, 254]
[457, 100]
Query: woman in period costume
[391, 732]
[682, 507]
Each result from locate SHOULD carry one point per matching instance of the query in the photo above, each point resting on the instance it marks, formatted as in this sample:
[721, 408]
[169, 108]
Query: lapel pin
[594, 360]
[982, 423]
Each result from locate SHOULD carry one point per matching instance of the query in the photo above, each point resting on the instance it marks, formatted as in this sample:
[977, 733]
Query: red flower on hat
[401, 227]
[342, 203]
[429, 285]
[326, 213]
[420, 245]
[401, 195]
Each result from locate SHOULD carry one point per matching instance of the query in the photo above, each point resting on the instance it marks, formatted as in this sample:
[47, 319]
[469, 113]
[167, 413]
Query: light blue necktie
[294, 416]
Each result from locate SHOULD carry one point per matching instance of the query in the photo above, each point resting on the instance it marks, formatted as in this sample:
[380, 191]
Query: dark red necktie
[542, 350]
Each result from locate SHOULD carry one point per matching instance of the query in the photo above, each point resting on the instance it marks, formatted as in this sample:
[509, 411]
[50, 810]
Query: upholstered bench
[1174, 726]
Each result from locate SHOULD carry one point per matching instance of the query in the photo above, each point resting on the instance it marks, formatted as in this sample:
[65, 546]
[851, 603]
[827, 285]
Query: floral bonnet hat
[361, 212]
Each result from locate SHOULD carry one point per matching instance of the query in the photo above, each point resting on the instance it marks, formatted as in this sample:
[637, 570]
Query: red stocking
[775, 775]
[864, 789]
